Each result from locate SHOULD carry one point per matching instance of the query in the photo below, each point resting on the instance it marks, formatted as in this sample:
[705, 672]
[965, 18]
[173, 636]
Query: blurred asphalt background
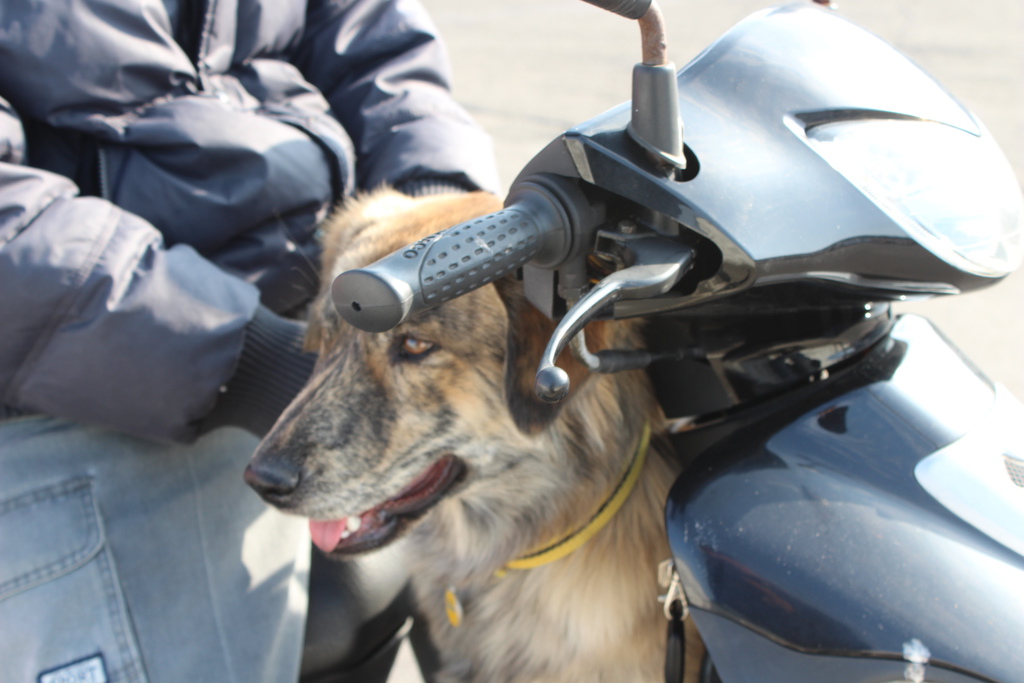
[530, 69]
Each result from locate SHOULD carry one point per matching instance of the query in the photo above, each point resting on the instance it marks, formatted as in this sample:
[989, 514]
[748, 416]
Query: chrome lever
[659, 263]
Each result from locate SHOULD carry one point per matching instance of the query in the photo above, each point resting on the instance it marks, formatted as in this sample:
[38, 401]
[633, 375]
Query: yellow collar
[572, 542]
[604, 514]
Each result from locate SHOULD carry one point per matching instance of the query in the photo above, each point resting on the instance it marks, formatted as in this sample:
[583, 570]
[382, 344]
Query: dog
[433, 432]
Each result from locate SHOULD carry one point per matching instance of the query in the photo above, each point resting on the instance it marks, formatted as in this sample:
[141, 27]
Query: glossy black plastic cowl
[803, 536]
[776, 212]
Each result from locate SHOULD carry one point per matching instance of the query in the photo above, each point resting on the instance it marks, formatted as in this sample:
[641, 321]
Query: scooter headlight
[953, 191]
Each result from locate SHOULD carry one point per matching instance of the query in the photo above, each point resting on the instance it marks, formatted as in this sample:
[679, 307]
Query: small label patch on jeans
[88, 670]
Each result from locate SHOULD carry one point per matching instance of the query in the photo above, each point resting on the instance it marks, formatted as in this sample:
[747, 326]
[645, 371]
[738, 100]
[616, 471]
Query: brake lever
[659, 263]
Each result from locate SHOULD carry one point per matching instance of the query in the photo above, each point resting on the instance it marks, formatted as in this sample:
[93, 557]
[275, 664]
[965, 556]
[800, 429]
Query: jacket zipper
[101, 169]
[193, 25]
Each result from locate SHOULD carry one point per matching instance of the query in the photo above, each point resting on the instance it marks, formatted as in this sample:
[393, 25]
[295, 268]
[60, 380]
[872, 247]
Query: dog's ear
[316, 327]
[528, 333]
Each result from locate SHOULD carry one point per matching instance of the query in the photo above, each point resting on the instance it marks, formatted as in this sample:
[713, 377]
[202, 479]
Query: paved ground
[529, 69]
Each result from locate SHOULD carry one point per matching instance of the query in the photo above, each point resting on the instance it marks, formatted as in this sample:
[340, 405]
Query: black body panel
[801, 521]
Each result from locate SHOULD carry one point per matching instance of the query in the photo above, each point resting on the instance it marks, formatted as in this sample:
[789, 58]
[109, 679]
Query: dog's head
[440, 408]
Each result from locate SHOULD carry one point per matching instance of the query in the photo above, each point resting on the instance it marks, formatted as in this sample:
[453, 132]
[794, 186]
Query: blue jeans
[126, 560]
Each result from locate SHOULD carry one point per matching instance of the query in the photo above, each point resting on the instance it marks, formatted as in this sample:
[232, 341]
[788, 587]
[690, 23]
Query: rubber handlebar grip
[445, 265]
[630, 9]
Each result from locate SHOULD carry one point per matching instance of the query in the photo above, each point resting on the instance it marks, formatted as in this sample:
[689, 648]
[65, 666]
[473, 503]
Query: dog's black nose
[274, 481]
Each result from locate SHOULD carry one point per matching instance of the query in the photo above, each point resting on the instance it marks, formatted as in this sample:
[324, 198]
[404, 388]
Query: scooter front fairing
[812, 546]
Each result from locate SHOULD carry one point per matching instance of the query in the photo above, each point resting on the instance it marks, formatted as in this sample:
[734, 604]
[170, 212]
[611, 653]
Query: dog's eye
[411, 347]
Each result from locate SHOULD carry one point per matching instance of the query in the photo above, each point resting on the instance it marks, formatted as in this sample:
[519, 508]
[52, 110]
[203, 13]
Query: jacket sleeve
[385, 72]
[100, 322]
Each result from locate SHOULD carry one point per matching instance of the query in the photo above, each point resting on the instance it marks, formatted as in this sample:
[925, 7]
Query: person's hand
[271, 371]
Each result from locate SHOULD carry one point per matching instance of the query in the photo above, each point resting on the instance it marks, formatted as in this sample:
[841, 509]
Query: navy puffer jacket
[164, 165]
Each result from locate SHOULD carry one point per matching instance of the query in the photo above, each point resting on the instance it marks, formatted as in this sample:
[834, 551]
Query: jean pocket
[62, 613]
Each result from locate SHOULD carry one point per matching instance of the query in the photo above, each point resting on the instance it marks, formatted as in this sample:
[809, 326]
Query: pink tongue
[327, 535]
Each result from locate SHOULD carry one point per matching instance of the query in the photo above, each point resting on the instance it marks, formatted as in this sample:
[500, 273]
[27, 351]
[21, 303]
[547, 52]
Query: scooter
[853, 506]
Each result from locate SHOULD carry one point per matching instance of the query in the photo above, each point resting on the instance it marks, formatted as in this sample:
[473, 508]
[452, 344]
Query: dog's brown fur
[371, 420]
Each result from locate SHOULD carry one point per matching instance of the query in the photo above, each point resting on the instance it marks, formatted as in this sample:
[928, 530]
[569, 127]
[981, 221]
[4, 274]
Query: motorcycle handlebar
[532, 227]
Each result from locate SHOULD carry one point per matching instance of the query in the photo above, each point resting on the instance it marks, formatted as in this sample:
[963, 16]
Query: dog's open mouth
[379, 525]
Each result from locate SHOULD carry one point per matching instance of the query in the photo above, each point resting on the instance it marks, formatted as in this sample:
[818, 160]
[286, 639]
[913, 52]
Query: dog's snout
[275, 481]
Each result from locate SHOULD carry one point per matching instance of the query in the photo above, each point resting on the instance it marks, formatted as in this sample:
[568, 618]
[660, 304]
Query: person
[164, 165]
